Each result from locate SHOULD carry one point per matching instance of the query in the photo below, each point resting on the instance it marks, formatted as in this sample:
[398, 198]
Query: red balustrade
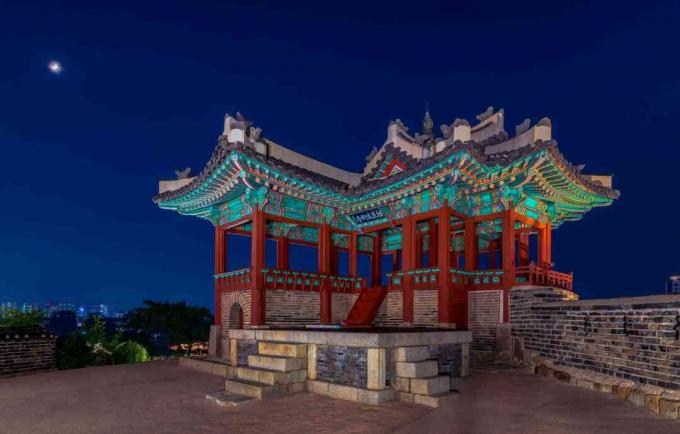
[480, 279]
[234, 280]
[422, 278]
[536, 275]
[310, 281]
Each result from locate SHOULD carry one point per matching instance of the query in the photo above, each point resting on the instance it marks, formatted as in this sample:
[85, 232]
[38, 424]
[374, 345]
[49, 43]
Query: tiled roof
[414, 165]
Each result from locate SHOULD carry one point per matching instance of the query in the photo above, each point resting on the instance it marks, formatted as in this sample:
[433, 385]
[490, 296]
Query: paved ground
[162, 397]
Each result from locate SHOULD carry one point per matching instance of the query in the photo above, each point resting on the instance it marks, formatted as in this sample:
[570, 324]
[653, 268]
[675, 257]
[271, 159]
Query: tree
[73, 352]
[17, 318]
[182, 324]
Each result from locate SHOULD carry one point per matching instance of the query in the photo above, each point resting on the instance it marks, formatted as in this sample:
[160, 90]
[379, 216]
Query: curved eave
[539, 170]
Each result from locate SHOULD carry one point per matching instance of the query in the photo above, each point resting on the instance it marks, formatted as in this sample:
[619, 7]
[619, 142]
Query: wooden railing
[233, 280]
[422, 278]
[535, 275]
[310, 281]
[480, 279]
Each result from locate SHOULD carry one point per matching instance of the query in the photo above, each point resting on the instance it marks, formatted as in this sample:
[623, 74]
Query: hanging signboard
[368, 216]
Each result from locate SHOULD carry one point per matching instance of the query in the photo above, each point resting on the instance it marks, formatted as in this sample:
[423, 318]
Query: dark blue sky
[145, 86]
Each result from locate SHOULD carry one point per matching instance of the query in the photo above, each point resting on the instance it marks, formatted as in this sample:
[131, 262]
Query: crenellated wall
[629, 338]
[25, 350]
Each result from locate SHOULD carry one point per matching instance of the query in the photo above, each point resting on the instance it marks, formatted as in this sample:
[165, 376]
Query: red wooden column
[376, 260]
[443, 244]
[545, 246]
[470, 245]
[335, 259]
[523, 248]
[324, 257]
[220, 267]
[282, 262]
[418, 249]
[408, 235]
[508, 259]
[353, 243]
[432, 250]
[395, 260]
[257, 292]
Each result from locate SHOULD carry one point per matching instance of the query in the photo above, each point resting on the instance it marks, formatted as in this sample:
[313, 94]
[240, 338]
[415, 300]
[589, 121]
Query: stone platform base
[349, 393]
[209, 366]
[363, 365]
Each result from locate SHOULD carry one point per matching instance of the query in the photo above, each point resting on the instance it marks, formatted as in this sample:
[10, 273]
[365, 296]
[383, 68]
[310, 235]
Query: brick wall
[341, 304]
[425, 307]
[24, 350]
[630, 338]
[342, 365]
[391, 310]
[242, 298]
[245, 347]
[449, 358]
[292, 307]
[484, 315]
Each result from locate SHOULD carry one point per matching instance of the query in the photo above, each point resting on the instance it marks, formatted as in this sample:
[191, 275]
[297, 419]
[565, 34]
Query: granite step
[266, 376]
[281, 349]
[424, 369]
[275, 363]
[229, 399]
[259, 390]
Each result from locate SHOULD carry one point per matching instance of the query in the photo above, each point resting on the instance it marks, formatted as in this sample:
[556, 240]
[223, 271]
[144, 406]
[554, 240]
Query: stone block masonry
[628, 338]
[25, 350]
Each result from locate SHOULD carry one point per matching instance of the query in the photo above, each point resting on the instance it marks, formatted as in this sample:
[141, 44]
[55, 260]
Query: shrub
[130, 352]
[73, 352]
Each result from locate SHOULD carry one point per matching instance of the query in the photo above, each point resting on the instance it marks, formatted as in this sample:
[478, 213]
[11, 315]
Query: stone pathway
[162, 397]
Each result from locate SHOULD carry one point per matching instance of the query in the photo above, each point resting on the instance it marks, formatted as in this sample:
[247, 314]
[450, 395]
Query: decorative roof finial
[427, 121]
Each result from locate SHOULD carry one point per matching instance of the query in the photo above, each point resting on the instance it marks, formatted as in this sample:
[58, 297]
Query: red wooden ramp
[366, 306]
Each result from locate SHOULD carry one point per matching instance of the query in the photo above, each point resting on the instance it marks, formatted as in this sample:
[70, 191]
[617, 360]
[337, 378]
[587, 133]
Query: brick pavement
[162, 397]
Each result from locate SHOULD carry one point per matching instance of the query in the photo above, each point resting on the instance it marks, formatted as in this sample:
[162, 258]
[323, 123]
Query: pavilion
[464, 217]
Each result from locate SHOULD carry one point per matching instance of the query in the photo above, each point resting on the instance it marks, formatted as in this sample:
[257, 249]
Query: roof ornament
[421, 138]
[485, 115]
[372, 154]
[545, 122]
[523, 127]
[183, 173]
[400, 124]
[446, 130]
[427, 122]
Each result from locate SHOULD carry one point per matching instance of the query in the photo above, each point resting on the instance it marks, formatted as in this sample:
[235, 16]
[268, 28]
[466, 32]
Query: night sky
[145, 86]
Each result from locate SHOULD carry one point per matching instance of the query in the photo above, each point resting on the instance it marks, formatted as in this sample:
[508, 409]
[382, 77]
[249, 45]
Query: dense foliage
[95, 348]
[182, 324]
[17, 318]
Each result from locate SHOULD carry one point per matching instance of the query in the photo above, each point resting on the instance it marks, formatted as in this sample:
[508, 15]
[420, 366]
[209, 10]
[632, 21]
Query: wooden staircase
[365, 308]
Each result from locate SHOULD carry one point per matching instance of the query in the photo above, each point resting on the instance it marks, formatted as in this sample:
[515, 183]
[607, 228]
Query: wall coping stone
[356, 339]
[643, 302]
